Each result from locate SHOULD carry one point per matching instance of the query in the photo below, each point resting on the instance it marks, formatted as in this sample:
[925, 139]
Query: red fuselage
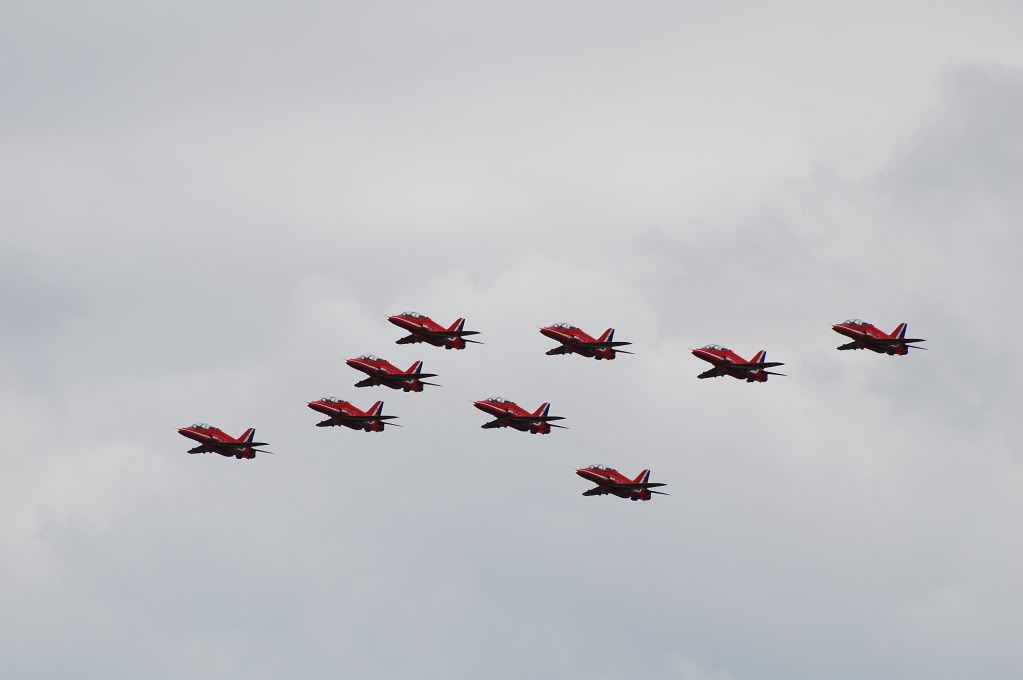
[346, 414]
[575, 340]
[215, 440]
[509, 414]
[385, 373]
[424, 329]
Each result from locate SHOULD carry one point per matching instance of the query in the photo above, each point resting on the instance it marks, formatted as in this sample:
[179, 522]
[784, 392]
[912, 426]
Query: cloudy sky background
[206, 207]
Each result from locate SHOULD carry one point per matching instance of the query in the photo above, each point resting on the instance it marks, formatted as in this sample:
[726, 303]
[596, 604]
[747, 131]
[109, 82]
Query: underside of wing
[712, 373]
[756, 366]
[564, 349]
[896, 341]
[407, 376]
[407, 340]
[596, 491]
[533, 419]
[492, 424]
[849, 345]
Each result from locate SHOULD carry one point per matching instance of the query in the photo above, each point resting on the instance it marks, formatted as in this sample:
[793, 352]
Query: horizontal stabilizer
[407, 376]
[563, 427]
[754, 366]
[603, 344]
[240, 445]
[773, 373]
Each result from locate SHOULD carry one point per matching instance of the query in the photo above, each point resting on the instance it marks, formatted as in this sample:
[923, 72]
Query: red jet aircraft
[727, 362]
[341, 412]
[510, 414]
[425, 329]
[576, 341]
[385, 373]
[215, 440]
[610, 481]
[867, 336]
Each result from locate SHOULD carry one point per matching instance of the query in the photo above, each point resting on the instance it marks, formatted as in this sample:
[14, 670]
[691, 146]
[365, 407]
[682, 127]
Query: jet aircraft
[510, 414]
[424, 329]
[214, 440]
[610, 481]
[727, 362]
[340, 412]
[867, 336]
[385, 373]
[576, 341]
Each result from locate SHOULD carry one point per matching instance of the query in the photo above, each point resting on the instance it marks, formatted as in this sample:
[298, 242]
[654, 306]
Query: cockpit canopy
[599, 467]
[717, 347]
[499, 400]
[856, 322]
[201, 426]
[414, 315]
[333, 400]
[369, 357]
[566, 326]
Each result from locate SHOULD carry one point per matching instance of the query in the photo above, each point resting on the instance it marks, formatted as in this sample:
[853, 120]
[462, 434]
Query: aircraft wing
[492, 424]
[756, 366]
[533, 419]
[896, 341]
[407, 340]
[240, 445]
[365, 382]
[406, 376]
[848, 345]
[564, 349]
[596, 491]
[630, 486]
[712, 373]
[598, 345]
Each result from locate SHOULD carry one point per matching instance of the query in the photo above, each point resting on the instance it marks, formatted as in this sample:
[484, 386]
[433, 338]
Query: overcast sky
[206, 207]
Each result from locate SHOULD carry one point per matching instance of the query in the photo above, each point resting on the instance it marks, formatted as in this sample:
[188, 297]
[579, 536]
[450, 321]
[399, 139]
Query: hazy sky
[207, 206]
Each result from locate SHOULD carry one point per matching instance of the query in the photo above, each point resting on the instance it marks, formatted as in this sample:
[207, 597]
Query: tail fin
[900, 330]
[248, 435]
[376, 409]
[543, 410]
[642, 478]
[607, 336]
[416, 367]
[458, 325]
[760, 357]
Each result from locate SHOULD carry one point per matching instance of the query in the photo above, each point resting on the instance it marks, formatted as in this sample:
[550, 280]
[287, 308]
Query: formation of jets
[506, 413]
